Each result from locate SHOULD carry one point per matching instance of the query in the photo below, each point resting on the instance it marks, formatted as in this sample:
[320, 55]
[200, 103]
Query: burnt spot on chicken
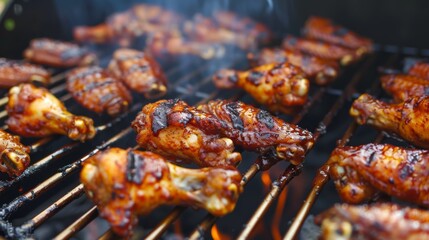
[232, 110]
[266, 118]
[160, 115]
[135, 164]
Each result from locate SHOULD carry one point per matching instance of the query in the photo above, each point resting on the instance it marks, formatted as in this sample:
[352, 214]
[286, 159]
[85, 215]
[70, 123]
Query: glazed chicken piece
[402, 86]
[14, 158]
[245, 25]
[140, 72]
[360, 172]
[321, 49]
[98, 91]
[123, 27]
[57, 53]
[320, 71]
[206, 30]
[376, 221]
[166, 44]
[325, 30]
[35, 112]
[257, 130]
[281, 87]
[178, 131]
[127, 183]
[408, 119]
[419, 69]
[13, 73]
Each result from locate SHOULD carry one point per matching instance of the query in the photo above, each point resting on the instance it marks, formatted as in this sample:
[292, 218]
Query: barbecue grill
[48, 200]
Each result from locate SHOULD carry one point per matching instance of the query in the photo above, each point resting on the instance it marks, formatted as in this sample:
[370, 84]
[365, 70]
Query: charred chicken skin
[57, 53]
[281, 87]
[320, 71]
[139, 72]
[123, 27]
[408, 119]
[325, 30]
[419, 69]
[376, 221]
[178, 131]
[359, 172]
[321, 49]
[98, 91]
[402, 86]
[14, 158]
[13, 73]
[257, 130]
[166, 44]
[35, 112]
[127, 183]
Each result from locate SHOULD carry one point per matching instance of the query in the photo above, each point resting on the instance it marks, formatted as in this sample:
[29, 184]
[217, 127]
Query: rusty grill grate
[51, 182]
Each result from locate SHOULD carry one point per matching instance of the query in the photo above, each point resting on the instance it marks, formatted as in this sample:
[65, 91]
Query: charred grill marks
[134, 167]
[160, 115]
[232, 110]
[255, 77]
[265, 118]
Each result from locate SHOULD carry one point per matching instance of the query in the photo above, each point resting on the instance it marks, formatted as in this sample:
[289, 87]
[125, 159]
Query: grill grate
[192, 83]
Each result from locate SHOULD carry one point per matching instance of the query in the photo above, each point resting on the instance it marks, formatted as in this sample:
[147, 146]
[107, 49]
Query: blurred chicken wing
[14, 158]
[35, 112]
[127, 183]
[281, 87]
[178, 131]
[13, 73]
[408, 119]
[139, 72]
[419, 69]
[98, 91]
[402, 86]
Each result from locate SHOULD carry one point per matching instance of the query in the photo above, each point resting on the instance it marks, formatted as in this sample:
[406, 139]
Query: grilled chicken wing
[321, 71]
[166, 44]
[178, 131]
[127, 183]
[123, 27]
[14, 158]
[321, 49]
[98, 91]
[402, 87]
[281, 87]
[257, 130]
[139, 72]
[35, 112]
[13, 73]
[325, 30]
[419, 69]
[58, 54]
[377, 221]
[245, 25]
[361, 171]
[408, 119]
[207, 30]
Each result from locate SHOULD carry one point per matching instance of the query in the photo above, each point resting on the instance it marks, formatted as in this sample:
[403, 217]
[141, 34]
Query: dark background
[401, 23]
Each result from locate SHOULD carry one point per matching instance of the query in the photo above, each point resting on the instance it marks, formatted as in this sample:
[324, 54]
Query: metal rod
[157, 232]
[276, 188]
[78, 224]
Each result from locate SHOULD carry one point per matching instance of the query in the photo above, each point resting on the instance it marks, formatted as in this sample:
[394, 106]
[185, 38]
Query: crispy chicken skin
[361, 171]
[178, 131]
[376, 221]
[320, 71]
[245, 25]
[139, 72]
[257, 130]
[14, 158]
[57, 53]
[35, 112]
[321, 49]
[13, 73]
[98, 91]
[280, 87]
[408, 119]
[402, 86]
[166, 44]
[123, 27]
[419, 69]
[325, 30]
[127, 183]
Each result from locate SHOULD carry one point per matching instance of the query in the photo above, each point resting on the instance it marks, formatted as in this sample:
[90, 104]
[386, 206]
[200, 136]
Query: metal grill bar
[78, 224]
